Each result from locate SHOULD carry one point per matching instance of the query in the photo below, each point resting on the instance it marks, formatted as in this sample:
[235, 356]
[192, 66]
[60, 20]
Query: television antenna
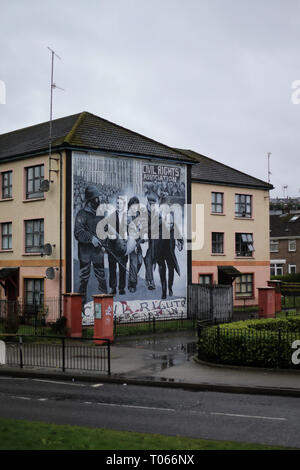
[284, 187]
[52, 87]
[269, 172]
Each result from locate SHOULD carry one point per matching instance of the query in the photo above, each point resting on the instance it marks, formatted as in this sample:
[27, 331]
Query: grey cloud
[211, 75]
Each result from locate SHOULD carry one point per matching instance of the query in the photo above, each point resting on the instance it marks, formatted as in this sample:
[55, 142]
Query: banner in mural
[128, 235]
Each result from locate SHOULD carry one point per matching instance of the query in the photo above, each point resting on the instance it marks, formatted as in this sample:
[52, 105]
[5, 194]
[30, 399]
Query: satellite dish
[50, 273]
[47, 249]
[45, 186]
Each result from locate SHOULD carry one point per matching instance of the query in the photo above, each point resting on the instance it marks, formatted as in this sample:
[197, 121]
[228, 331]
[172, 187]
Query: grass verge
[27, 435]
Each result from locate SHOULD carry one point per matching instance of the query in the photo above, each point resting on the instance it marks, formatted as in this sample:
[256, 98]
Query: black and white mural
[128, 235]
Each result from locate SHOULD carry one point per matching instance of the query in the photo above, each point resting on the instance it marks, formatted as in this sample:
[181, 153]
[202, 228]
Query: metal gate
[212, 303]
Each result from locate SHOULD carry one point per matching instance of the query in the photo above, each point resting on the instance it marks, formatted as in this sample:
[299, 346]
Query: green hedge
[290, 324]
[257, 343]
[287, 277]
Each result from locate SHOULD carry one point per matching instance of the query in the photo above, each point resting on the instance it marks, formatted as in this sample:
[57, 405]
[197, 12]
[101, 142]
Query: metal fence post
[199, 334]
[63, 355]
[199, 330]
[108, 357]
[21, 351]
[279, 348]
[218, 341]
[35, 321]
[211, 303]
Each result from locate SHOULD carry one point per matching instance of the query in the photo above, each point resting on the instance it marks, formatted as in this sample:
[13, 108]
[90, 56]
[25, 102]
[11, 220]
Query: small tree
[11, 323]
[59, 327]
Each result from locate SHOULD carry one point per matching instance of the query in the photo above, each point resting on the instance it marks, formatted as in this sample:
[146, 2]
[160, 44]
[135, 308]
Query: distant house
[236, 228]
[285, 244]
[284, 205]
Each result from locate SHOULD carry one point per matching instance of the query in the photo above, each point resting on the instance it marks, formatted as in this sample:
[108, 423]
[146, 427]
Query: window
[6, 185]
[205, 279]
[34, 235]
[244, 285]
[217, 242]
[34, 179]
[244, 244]
[292, 269]
[6, 236]
[274, 246]
[34, 292]
[243, 205]
[217, 203]
[292, 245]
[276, 269]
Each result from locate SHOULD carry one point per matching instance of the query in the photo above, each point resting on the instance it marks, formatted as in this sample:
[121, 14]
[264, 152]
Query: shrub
[59, 327]
[259, 343]
[11, 323]
[287, 277]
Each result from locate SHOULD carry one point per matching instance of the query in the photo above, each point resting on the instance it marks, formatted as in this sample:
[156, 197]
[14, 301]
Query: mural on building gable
[128, 235]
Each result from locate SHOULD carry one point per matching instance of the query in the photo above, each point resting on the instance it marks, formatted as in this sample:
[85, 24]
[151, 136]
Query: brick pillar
[73, 314]
[277, 286]
[103, 317]
[266, 302]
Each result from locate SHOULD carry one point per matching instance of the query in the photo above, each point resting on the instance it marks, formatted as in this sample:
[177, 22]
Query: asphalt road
[208, 415]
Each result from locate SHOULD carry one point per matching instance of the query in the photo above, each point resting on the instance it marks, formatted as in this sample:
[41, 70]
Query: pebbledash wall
[204, 262]
[131, 177]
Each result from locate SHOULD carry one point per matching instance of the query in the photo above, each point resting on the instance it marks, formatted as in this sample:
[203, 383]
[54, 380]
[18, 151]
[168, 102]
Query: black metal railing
[19, 316]
[63, 353]
[246, 346]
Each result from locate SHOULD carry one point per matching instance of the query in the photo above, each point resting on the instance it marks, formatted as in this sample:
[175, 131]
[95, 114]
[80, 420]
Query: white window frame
[290, 242]
[290, 268]
[274, 242]
[277, 265]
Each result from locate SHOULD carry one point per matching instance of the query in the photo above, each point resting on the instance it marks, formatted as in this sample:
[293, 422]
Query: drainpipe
[60, 230]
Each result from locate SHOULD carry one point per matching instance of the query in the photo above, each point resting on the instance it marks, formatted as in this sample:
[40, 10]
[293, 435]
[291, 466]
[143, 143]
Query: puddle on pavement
[178, 355]
[165, 351]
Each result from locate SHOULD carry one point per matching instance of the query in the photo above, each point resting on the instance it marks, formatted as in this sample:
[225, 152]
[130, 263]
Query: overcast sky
[214, 76]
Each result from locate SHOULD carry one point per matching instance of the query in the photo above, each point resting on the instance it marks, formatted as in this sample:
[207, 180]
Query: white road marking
[137, 407]
[248, 416]
[58, 382]
[97, 385]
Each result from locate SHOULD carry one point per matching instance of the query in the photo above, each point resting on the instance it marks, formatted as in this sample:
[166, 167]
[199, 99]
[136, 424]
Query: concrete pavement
[169, 360]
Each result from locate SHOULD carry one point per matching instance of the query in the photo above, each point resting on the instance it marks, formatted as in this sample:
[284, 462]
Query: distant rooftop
[285, 200]
[208, 170]
[284, 225]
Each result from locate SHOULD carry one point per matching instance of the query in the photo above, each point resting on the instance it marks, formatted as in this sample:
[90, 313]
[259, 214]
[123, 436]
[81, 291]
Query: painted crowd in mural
[128, 235]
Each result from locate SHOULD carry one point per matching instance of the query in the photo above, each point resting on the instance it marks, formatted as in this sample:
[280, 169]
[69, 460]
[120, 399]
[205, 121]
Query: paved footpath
[169, 360]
